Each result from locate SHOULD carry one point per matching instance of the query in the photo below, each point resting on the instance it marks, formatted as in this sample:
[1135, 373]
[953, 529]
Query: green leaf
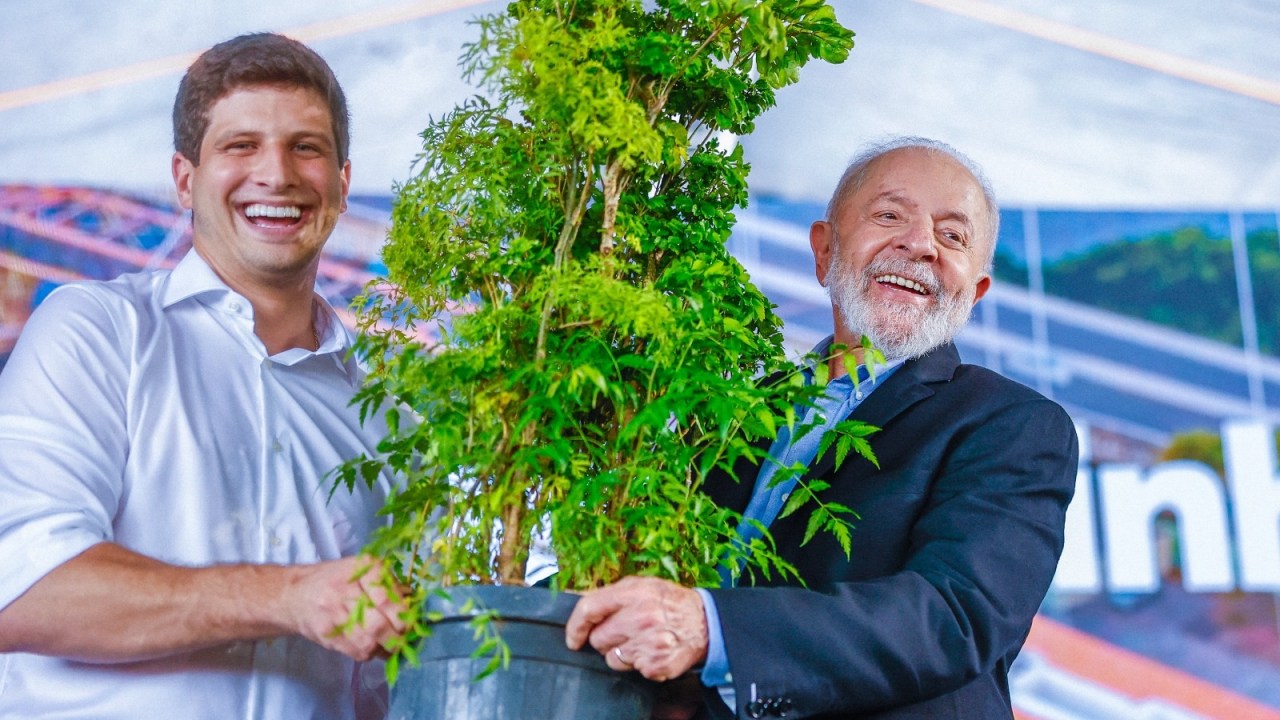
[842, 449]
[393, 669]
[816, 520]
[843, 536]
[817, 485]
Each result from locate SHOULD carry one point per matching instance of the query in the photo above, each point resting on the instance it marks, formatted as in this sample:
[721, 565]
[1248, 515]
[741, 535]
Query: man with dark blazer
[960, 526]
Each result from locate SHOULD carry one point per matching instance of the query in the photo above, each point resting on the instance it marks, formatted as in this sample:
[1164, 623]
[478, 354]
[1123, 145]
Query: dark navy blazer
[959, 535]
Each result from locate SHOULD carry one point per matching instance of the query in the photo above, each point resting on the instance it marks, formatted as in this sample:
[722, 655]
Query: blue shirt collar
[815, 357]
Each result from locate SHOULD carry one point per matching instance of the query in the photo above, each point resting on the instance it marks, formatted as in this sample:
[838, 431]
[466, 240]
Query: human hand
[325, 596]
[646, 624]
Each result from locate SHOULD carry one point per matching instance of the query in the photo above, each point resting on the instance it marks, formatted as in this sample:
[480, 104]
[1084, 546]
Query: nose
[275, 168]
[917, 242]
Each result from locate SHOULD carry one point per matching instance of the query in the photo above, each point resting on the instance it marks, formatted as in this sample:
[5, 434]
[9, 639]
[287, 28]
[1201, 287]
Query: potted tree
[563, 317]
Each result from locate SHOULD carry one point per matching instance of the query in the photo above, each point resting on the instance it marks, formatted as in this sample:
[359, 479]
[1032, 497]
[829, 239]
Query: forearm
[110, 604]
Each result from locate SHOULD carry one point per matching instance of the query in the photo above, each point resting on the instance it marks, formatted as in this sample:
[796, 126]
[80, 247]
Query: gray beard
[898, 330]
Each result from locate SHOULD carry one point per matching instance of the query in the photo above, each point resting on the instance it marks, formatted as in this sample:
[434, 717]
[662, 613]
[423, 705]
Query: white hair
[856, 174]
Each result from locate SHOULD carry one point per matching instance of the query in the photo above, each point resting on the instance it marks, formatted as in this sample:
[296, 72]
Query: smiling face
[905, 254]
[268, 188]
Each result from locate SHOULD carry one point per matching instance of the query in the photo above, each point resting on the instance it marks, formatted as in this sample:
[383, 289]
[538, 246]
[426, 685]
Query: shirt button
[276, 446]
[276, 541]
[235, 306]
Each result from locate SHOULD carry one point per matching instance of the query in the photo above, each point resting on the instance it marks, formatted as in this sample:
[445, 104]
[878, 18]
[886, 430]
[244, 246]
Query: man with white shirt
[960, 519]
[168, 544]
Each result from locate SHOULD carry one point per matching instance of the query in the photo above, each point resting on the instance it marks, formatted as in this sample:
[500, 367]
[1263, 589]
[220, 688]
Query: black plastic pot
[545, 680]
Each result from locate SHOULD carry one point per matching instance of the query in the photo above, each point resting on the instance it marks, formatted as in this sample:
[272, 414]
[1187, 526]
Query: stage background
[1133, 145]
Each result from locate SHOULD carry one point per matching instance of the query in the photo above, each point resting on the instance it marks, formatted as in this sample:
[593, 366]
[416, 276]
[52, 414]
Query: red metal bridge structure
[53, 235]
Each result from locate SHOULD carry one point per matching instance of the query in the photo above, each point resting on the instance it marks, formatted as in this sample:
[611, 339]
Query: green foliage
[565, 319]
[1264, 270]
[1200, 445]
[1183, 279]
[484, 628]
[1007, 268]
[846, 436]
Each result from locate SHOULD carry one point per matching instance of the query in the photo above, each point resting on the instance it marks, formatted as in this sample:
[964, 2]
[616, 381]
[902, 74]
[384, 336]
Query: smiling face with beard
[905, 252]
[898, 330]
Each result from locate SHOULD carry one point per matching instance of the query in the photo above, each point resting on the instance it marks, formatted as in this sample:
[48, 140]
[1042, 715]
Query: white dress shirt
[146, 412]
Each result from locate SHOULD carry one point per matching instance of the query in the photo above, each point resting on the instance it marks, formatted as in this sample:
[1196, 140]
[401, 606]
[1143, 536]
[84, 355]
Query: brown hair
[253, 59]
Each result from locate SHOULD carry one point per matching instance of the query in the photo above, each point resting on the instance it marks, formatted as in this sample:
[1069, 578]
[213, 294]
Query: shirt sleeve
[63, 436]
[716, 671]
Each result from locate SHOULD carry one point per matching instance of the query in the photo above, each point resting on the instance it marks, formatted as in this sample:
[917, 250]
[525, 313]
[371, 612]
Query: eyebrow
[324, 138]
[896, 196]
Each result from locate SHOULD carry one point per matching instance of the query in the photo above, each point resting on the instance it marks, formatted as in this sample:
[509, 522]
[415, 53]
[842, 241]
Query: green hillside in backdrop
[1184, 279]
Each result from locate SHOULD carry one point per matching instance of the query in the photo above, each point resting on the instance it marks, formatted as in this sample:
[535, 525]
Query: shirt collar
[823, 348]
[193, 278]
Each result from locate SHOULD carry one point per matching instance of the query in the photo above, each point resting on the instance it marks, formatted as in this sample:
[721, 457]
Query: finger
[382, 590]
[617, 629]
[663, 640]
[617, 659]
[654, 661]
[592, 609]
[388, 605]
[668, 650]
[385, 621]
[366, 642]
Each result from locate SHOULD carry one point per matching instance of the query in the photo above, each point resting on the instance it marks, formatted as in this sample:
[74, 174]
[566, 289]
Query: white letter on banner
[1249, 455]
[1130, 503]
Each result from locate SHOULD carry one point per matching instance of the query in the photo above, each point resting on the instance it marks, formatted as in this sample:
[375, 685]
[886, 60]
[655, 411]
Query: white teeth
[902, 282]
[273, 211]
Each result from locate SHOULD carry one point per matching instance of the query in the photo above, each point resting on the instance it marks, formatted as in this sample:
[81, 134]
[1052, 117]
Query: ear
[182, 170]
[346, 185]
[984, 284]
[820, 237]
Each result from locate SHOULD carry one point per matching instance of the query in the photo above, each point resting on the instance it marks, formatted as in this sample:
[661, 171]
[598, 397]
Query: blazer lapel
[907, 386]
